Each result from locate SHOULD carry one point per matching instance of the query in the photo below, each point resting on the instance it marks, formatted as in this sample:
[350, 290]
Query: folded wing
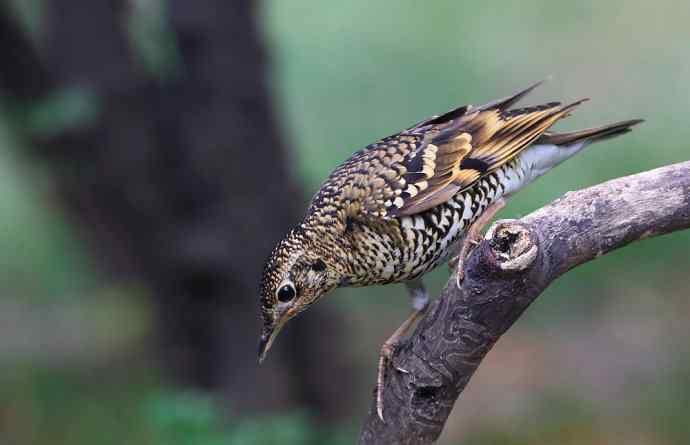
[457, 149]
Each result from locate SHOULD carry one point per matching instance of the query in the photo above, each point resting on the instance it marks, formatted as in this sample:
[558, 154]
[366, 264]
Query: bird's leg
[473, 236]
[420, 301]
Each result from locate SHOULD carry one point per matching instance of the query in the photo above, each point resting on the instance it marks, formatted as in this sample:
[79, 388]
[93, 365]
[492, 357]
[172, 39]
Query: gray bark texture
[511, 267]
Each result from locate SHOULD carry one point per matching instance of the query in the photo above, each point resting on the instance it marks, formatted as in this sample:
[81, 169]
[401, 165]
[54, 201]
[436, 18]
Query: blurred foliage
[345, 75]
[29, 13]
[40, 254]
[59, 111]
[152, 40]
[74, 408]
[195, 420]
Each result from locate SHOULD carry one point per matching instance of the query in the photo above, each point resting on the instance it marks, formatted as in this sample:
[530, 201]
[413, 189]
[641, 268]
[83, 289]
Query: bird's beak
[269, 334]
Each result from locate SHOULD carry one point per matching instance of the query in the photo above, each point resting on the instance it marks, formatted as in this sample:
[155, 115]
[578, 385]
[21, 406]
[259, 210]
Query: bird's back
[395, 209]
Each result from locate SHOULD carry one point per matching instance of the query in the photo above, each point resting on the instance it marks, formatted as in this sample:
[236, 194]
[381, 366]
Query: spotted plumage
[400, 207]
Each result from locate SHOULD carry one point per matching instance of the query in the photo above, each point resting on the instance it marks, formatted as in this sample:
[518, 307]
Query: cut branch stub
[510, 246]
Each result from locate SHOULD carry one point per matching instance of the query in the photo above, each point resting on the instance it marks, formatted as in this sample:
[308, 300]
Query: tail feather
[509, 101]
[588, 135]
[553, 148]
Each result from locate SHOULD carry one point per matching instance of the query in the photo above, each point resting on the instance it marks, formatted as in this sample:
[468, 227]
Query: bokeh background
[152, 152]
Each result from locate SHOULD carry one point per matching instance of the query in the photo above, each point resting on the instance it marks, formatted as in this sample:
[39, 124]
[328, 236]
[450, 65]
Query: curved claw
[399, 369]
[386, 353]
[379, 409]
[460, 272]
[473, 237]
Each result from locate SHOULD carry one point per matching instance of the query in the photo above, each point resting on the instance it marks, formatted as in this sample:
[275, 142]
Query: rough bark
[511, 267]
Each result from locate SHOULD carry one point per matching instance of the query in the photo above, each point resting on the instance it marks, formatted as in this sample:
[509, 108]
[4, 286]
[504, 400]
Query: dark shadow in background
[182, 183]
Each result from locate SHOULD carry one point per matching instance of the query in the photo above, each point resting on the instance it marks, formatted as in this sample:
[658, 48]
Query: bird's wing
[444, 155]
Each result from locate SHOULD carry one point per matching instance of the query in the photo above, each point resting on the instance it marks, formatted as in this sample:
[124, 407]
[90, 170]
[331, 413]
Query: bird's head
[300, 270]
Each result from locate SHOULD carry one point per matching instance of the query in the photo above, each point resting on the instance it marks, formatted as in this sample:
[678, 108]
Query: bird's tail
[553, 148]
[588, 135]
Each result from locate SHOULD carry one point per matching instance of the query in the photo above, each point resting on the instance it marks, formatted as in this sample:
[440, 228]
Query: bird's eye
[286, 293]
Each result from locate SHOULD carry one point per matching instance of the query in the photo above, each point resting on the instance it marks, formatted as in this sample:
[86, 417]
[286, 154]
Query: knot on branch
[510, 246]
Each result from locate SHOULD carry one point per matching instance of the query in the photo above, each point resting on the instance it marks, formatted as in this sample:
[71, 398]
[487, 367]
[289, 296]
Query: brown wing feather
[456, 154]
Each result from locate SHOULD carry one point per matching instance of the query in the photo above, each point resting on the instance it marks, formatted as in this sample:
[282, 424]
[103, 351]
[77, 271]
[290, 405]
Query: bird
[403, 205]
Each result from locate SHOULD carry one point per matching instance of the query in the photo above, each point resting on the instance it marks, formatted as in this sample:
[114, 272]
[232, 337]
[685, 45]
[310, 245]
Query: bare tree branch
[516, 261]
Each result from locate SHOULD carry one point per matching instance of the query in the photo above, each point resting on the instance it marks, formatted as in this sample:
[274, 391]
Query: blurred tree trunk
[183, 182]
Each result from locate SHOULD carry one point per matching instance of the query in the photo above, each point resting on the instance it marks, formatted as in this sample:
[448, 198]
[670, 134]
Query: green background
[602, 357]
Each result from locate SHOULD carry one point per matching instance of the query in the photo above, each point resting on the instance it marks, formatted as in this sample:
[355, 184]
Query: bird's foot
[420, 302]
[473, 237]
[385, 361]
[458, 261]
[385, 358]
